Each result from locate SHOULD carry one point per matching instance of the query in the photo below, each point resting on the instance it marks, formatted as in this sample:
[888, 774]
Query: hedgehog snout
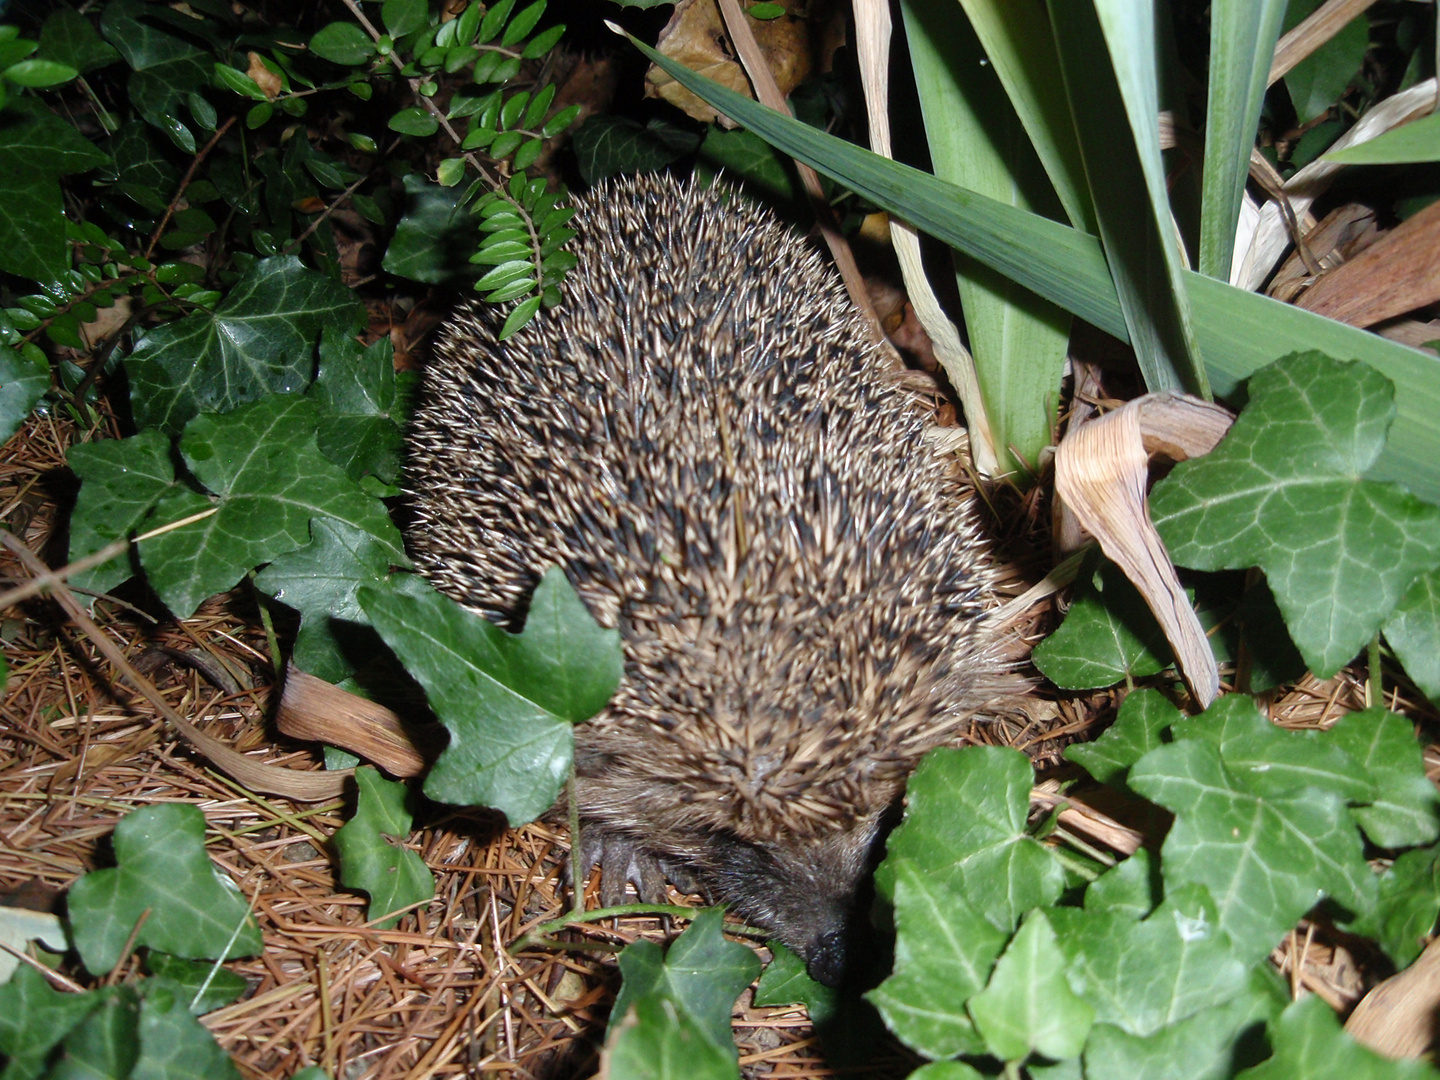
[803, 891]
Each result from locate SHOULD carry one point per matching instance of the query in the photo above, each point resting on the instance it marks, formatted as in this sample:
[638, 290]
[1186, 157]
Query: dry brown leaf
[1345, 231]
[1101, 470]
[1397, 274]
[695, 36]
[1397, 1018]
[107, 321]
[316, 711]
[263, 77]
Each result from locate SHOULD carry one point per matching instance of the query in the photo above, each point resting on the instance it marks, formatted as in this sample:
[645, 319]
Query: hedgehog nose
[826, 962]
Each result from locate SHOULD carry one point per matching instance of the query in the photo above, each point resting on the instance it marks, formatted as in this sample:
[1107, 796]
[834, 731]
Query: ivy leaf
[1144, 975]
[145, 173]
[1139, 727]
[949, 1070]
[19, 927]
[268, 481]
[106, 1043]
[361, 405]
[607, 145]
[786, 982]
[508, 700]
[371, 856]
[121, 481]
[260, 339]
[944, 952]
[1203, 1047]
[672, 1015]
[203, 985]
[167, 68]
[742, 153]
[174, 1045]
[1028, 1007]
[1284, 491]
[24, 378]
[36, 149]
[1130, 888]
[1270, 760]
[1108, 636]
[162, 867]
[1403, 804]
[964, 826]
[68, 37]
[1413, 631]
[320, 581]
[1409, 904]
[34, 1018]
[1265, 859]
[434, 240]
[1309, 1044]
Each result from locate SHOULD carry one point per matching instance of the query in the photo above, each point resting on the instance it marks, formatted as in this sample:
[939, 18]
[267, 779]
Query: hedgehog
[708, 440]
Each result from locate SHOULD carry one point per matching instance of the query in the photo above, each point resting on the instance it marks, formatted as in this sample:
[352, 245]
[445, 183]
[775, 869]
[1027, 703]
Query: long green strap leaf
[1242, 43]
[1017, 339]
[1020, 46]
[1238, 331]
[1107, 55]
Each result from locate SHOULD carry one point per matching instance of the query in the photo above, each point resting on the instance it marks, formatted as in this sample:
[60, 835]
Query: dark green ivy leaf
[1310, 1044]
[161, 865]
[1145, 975]
[372, 856]
[1285, 491]
[1028, 1007]
[260, 339]
[965, 824]
[36, 149]
[434, 240]
[1139, 728]
[1409, 903]
[268, 481]
[121, 481]
[671, 1020]
[167, 68]
[1266, 860]
[1403, 804]
[34, 1018]
[508, 700]
[68, 37]
[24, 378]
[362, 405]
[608, 145]
[203, 985]
[174, 1045]
[320, 581]
[944, 952]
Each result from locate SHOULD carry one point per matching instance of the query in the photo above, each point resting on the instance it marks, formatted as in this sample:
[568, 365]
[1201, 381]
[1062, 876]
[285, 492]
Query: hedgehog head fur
[705, 437]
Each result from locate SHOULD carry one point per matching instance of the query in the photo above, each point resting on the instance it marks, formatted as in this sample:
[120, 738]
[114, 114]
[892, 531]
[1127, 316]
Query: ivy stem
[1375, 686]
[577, 883]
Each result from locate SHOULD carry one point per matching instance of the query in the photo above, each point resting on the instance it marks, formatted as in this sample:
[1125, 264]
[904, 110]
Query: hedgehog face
[803, 891]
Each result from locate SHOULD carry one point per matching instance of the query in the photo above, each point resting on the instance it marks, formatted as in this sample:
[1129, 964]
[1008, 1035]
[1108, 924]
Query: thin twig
[307, 786]
[116, 547]
[330, 209]
[185, 183]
